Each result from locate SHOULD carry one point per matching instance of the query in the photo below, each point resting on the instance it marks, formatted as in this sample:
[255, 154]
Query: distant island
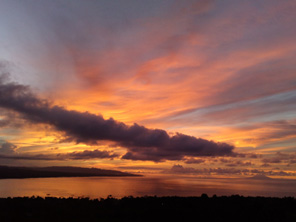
[260, 177]
[9, 172]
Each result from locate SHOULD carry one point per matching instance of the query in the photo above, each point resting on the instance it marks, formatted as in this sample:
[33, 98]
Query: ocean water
[101, 187]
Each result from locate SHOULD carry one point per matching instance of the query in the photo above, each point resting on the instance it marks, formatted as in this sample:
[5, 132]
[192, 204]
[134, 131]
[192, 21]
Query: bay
[101, 187]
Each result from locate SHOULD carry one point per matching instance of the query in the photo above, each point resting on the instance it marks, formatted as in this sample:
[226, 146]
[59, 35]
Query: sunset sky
[201, 87]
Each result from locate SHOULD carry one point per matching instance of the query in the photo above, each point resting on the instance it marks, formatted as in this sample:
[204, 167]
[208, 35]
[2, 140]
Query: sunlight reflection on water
[101, 187]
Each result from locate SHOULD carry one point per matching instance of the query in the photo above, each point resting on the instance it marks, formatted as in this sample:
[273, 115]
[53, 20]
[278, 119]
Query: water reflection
[97, 187]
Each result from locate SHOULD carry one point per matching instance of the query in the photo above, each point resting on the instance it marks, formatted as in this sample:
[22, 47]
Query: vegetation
[204, 208]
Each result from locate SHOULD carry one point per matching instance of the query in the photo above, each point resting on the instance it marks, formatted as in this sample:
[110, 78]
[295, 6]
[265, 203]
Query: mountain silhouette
[260, 177]
[8, 172]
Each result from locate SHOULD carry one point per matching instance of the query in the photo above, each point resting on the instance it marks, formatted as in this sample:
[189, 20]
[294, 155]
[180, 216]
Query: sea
[118, 187]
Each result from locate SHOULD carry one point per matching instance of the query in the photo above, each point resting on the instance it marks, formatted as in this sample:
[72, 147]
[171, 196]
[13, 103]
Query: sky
[199, 87]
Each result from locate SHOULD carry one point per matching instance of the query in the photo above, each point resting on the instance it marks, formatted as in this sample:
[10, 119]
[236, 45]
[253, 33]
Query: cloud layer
[83, 155]
[7, 148]
[219, 70]
[83, 127]
[179, 169]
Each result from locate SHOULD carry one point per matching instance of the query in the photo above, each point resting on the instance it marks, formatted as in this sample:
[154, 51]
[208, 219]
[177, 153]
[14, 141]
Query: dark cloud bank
[83, 127]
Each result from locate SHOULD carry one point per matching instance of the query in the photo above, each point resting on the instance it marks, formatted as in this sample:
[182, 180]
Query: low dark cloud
[83, 127]
[88, 154]
[27, 157]
[179, 169]
[239, 163]
[4, 122]
[194, 160]
[141, 168]
[7, 148]
[280, 157]
[265, 165]
[82, 155]
[234, 163]
[272, 160]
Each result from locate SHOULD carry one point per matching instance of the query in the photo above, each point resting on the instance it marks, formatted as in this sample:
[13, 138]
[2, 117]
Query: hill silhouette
[8, 172]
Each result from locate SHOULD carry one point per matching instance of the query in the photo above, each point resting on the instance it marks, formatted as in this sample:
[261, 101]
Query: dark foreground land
[233, 208]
